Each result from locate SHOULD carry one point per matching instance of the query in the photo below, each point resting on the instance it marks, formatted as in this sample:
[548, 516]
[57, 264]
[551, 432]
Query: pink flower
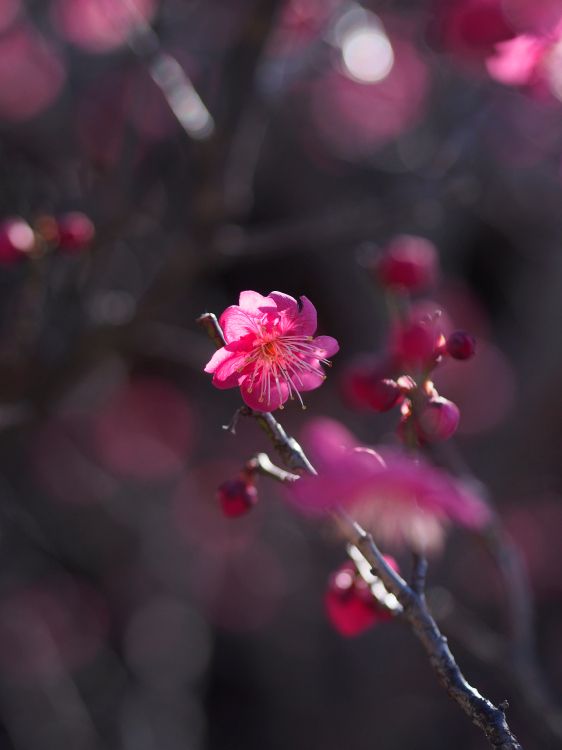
[270, 352]
[401, 500]
[516, 62]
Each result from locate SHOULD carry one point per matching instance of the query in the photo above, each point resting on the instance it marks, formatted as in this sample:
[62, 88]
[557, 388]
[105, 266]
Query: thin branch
[483, 713]
[262, 464]
[491, 719]
[520, 659]
[419, 573]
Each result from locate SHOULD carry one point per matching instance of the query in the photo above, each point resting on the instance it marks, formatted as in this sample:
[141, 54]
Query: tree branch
[484, 714]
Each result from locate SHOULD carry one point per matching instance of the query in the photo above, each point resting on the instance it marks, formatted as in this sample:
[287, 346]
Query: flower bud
[237, 497]
[16, 240]
[409, 262]
[76, 231]
[366, 385]
[461, 345]
[437, 420]
[350, 603]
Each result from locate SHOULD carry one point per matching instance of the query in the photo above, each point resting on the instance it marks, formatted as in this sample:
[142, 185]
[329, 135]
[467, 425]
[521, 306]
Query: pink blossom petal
[277, 396]
[309, 381]
[253, 301]
[237, 323]
[325, 439]
[307, 321]
[226, 367]
[285, 302]
[515, 61]
[326, 345]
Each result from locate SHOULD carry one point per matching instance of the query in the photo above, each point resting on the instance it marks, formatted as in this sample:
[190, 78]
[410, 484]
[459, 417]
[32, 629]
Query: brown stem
[483, 713]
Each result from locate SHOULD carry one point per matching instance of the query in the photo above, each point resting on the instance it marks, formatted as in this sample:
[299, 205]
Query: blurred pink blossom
[516, 62]
[270, 351]
[144, 431]
[101, 25]
[402, 500]
[31, 74]
[356, 117]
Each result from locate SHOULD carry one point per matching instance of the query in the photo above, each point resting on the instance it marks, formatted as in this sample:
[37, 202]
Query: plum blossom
[532, 61]
[270, 351]
[401, 500]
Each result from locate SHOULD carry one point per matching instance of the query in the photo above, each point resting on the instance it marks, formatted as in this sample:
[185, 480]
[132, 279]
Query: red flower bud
[16, 240]
[349, 601]
[409, 262]
[237, 497]
[461, 345]
[437, 420]
[366, 385]
[76, 231]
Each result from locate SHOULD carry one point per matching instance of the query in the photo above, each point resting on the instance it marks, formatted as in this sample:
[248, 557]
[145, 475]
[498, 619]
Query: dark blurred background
[222, 145]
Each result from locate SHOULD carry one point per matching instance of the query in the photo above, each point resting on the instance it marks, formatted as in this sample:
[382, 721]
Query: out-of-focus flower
[377, 92]
[469, 29]
[402, 500]
[408, 262]
[367, 383]
[532, 61]
[101, 25]
[270, 351]
[144, 430]
[517, 61]
[419, 340]
[31, 74]
[350, 603]
[16, 240]
[75, 232]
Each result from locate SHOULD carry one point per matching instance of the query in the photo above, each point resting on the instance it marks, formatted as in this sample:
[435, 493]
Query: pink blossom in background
[402, 500]
[270, 352]
[355, 116]
[516, 62]
[144, 431]
[49, 627]
[469, 29]
[533, 61]
[100, 25]
[31, 74]
[9, 11]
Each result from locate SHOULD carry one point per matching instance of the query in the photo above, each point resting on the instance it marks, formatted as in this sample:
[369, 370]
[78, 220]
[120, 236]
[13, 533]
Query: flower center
[281, 360]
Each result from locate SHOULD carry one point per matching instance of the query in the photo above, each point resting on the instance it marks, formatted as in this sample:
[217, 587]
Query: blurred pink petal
[402, 500]
[515, 61]
[145, 430]
[100, 25]
[31, 74]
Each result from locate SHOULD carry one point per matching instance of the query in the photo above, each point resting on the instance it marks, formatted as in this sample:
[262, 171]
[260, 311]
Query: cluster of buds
[69, 233]
[356, 600]
[418, 343]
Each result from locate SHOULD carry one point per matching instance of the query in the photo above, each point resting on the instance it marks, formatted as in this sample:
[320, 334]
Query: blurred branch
[419, 573]
[488, 717]
[519, 656]
[482, 712]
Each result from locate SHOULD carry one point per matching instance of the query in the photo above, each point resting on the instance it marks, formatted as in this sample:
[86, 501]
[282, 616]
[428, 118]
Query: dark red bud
[461, 345]
[237, 497]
